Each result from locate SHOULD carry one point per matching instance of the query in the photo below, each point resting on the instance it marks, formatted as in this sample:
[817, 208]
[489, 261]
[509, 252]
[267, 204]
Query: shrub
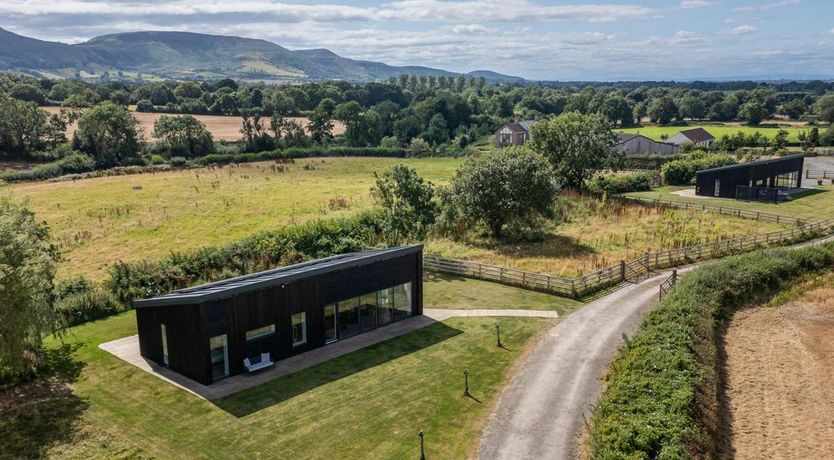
[613, 183]
[654, 161]
[79, 301]
[682, 172]
[661, 399]
[297, 152]
[71, 164]
[178, 161]
[157, 160]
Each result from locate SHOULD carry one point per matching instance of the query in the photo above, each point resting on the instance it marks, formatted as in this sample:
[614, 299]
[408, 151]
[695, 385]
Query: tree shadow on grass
[38, 414]
[273, 392]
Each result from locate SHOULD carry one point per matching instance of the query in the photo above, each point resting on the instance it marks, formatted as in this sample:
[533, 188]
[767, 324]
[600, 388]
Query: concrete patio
[127, 349]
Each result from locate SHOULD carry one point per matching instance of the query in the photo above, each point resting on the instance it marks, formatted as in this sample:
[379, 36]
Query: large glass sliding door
[349, 318]
[219, 357]
[361, 314]
[330, 323]
[367, 309]
[402, 301]
[385, 307]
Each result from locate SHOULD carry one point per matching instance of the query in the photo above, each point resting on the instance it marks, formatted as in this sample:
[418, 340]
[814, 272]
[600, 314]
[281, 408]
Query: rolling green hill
[185, 55]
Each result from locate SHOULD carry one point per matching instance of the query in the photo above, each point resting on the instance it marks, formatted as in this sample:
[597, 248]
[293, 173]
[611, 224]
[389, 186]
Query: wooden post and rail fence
[643, 266]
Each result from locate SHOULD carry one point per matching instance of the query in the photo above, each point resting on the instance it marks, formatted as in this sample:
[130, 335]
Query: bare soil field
[780, 365]
[223, 128]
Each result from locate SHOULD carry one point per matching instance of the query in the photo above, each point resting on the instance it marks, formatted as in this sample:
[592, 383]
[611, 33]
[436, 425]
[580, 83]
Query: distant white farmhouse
[698, 136]
[637, 144]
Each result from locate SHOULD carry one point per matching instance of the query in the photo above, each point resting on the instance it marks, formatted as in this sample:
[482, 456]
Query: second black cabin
[246, 323]
[757, 180]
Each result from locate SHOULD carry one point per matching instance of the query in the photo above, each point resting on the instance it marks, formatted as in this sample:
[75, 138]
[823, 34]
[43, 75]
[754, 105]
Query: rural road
[541, 412]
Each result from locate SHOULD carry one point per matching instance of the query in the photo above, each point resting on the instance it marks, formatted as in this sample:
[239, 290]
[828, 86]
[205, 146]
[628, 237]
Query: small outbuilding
[764, 180]
[246, 323]
[515, 133]
[637, 144]
[697, 136]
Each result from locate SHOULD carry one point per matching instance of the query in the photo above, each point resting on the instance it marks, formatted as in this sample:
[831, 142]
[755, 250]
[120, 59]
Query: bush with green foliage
[406, 200]
[512, 185]
[79, 300]
[73, 163]
[621, 182]
[183, 136]
[682, 172]
[108, 133]
[661, 396]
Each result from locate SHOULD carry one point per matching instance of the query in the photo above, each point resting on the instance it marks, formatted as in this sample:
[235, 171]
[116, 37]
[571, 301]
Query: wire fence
[631, 270]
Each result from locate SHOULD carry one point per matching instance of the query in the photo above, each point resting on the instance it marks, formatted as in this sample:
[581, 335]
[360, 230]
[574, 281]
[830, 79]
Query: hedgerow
[298, 152]
[620, 182]
[129, 281]
[661, 400]
[71, 164]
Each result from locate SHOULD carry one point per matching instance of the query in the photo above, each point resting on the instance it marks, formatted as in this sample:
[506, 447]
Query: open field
[655, 132]
[223, 128]
[597, 235]
[779, 364]
[814, 204]
[368, 404]
[99, 221]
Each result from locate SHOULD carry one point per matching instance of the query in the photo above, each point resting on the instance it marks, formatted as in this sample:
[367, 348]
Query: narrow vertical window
[164, 344]
[299, 329]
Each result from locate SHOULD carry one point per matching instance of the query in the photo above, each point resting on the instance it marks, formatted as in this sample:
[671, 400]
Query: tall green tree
[753, 112]
[183, 136]
[662, 110]
[108, 133]
[577, 145]
[512, 185]
[25, 128]
[27, 270]
[407, 203]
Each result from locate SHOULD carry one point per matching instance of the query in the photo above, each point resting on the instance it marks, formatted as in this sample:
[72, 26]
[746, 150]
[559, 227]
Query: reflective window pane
[385, 306]
[402, 301]
[299, 329]
[330, 323]
[348, 317]
[367, 309]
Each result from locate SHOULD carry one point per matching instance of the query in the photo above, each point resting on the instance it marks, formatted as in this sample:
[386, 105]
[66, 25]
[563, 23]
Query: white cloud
[588, 38]
[470, 29]
[683, 37]
[265, 10]
[741, 30]
[766, 6]
[687, 4]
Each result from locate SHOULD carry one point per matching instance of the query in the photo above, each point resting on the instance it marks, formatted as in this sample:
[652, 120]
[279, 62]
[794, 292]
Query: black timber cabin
[756, 180]
[218, 329]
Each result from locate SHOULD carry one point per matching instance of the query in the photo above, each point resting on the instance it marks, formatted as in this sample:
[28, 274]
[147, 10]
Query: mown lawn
[655, 132]
[99, 221]
[368, 404]
[814, 204]
[456, 292]
[595, 234]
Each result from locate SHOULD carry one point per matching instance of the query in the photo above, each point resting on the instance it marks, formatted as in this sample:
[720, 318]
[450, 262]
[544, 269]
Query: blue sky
[537, 39]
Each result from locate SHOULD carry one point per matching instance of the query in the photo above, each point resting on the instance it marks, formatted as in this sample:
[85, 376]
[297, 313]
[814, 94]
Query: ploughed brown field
[780, 365]
[223, 128]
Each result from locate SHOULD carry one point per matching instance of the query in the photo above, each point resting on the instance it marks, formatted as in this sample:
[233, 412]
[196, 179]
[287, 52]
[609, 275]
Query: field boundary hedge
[661, 399]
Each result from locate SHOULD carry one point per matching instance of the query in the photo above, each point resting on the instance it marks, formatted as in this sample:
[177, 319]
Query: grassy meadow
[769, 131]
[595, 234]
[99, 221]
[817, 203]
[457, 292]
[368, 404]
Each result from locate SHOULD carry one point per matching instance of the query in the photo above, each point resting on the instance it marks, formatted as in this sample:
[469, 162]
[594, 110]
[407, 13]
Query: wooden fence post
[622, 270]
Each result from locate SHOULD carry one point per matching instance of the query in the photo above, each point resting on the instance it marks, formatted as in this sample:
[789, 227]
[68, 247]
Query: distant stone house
[698, 136]
[637, 144]
[515, 133]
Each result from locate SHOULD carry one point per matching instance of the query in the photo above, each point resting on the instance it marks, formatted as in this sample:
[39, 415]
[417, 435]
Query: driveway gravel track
[542, 411]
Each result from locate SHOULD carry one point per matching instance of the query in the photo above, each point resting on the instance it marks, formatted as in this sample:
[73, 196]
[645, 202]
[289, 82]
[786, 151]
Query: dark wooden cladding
[190, 327]
[757, 173]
